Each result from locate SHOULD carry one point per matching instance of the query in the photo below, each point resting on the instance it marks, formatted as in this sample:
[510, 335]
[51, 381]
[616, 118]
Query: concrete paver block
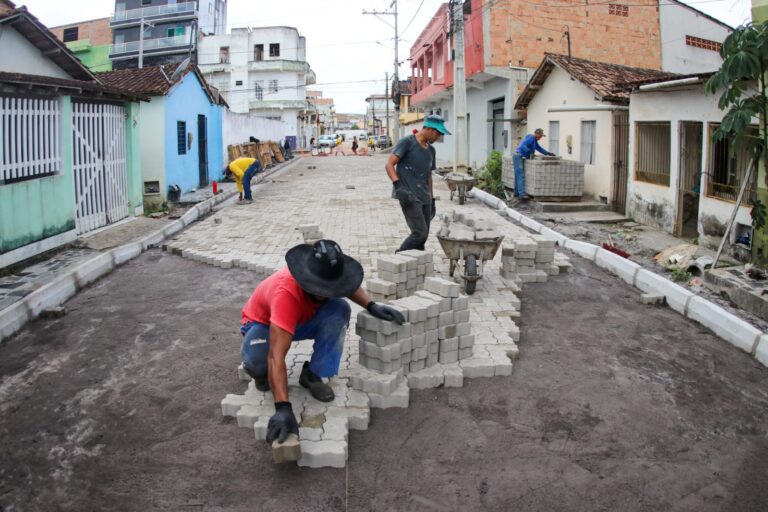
[761, 351]
[287, 451]
[441, 287]
[400, 398]
[677, 297]
[321, 454]
[652, 299]
[478, 367]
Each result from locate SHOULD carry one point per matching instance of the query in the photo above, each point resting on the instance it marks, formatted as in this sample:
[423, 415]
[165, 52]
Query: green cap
[436, 122]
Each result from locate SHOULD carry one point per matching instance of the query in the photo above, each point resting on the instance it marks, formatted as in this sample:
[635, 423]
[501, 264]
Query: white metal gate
[98, 153]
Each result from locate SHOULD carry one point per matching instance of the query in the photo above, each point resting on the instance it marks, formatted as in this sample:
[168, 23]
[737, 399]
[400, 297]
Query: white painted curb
[725, 325]
[64, 287]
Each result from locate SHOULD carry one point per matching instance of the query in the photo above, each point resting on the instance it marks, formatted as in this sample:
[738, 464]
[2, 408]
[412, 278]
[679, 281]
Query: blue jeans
[250, 172]
[517, 161]
[328, 328]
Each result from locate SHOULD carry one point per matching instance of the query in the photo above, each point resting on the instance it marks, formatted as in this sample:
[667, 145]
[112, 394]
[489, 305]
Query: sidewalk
[30, 289]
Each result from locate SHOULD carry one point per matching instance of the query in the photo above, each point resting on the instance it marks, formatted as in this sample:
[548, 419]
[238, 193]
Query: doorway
[620, 158]
[202, 148]
[689, 179]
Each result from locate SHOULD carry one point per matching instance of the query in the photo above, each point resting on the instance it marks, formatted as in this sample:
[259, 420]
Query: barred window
[704, 44]
[618, 10]
[727, 168]
[652, 152]
[181, 137]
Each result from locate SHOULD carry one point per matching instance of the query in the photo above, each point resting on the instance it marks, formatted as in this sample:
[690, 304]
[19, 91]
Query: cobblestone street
[611, 405]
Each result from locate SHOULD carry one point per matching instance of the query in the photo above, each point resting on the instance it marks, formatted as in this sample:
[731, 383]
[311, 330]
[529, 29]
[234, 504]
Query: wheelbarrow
[469, 256]
[460, 184]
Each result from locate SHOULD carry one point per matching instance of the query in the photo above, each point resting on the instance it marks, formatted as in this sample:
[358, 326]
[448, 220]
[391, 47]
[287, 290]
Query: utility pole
[396, 121]
[386, 98]
[459, 90]
[141, 43]
[567, 34]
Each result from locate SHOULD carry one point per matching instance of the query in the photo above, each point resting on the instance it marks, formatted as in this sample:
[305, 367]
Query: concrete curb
[725, 325]
[64, 287]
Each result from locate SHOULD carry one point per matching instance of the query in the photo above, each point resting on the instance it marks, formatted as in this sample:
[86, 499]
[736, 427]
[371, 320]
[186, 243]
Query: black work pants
[417, 216]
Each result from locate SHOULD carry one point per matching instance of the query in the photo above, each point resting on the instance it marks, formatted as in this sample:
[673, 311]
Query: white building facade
[690, 39]
[262, 71]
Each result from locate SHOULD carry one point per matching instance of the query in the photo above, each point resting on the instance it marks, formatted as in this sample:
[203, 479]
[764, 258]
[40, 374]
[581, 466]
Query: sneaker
[317, 388]
[262, 383]
[243, 201]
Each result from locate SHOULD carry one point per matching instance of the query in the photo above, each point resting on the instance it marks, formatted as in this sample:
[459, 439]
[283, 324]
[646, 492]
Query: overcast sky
[343, 45]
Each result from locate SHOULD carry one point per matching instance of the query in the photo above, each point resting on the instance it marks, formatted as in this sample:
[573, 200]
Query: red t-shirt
[280, 300]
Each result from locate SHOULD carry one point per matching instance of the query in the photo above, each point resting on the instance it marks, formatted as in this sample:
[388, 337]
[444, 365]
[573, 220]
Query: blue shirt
[529, 146]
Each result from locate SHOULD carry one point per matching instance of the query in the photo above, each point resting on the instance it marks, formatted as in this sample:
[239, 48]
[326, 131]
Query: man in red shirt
[303, 301]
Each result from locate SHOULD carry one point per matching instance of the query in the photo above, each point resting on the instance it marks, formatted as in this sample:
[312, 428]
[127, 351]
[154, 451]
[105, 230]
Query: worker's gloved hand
[385, 313]
[434, 210]
[282, 423]
[402, 194]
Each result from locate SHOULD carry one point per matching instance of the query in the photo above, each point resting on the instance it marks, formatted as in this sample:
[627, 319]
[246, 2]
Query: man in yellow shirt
[243, 170]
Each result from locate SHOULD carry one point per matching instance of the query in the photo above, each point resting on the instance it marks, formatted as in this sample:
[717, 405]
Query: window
[727, 168]
[272, 86]
[554, 136]
[258, 52]
[224, 55]
[652, 152]
[70, 34]
[704, 44]
[238, 82]
[588, 137]
[34, 152]
[274, 49]
[174, 32]
[259, 90]
[146, 2]
[618, 10]
[181, 137]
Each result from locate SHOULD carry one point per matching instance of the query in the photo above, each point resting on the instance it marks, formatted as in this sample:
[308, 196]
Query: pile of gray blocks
[310, 233]
[437, 330]
[399, 275]
[462, 227]
[531, 259]
[554, 178]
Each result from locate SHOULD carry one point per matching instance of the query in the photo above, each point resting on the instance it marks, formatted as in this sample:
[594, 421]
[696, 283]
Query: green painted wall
[95, 58]
[24, 217]
[760, 241]
[133, 159]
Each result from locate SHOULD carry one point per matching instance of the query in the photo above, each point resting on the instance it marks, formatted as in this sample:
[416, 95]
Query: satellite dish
[180, 69]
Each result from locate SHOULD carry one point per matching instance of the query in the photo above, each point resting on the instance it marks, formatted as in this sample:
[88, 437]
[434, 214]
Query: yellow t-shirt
[238, 168]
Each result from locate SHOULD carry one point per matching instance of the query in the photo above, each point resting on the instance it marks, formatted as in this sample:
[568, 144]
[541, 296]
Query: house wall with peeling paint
[657, 205]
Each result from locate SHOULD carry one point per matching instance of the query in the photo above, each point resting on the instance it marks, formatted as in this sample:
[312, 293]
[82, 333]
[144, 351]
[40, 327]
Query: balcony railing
[150, 45]
[153, 11]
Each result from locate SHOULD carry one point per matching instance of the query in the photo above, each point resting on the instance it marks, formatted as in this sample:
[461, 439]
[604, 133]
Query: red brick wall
[599, 32]
[97, 31]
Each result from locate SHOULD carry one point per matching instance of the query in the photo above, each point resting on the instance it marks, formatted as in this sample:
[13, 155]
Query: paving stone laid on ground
[368, 224]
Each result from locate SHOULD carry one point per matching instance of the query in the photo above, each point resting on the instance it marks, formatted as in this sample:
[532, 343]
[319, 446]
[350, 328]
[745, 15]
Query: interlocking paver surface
[613, 405]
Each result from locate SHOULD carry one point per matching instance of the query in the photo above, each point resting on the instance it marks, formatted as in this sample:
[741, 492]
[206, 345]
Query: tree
[355, 127]
[741, 82]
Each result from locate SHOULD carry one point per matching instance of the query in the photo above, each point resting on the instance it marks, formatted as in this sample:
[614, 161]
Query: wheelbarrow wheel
[462, 195]
[470, 270]
[452, 270]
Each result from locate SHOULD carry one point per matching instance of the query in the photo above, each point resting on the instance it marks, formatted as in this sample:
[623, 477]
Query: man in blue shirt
[526, 150]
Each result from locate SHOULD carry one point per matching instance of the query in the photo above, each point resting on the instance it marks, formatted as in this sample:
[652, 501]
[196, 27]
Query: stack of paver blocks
[437, 330]
[310, 232]
[532, 259]
[400, 275]
[459, 226]
[554, 178]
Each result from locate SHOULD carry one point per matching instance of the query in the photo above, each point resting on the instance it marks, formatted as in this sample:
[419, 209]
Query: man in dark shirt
[410, 168]
[526, 150]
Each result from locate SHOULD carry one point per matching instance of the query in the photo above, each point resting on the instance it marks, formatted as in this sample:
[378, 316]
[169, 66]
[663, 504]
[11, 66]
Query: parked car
[327, 141]
[383, 141]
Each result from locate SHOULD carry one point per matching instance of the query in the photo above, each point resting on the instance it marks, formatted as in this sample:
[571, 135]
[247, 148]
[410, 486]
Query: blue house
[181, 133]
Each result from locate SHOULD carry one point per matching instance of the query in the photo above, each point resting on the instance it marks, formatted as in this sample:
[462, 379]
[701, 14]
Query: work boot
[262, 383]
[317, 388]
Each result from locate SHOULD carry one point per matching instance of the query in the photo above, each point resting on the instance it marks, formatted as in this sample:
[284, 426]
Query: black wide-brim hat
[322, 269]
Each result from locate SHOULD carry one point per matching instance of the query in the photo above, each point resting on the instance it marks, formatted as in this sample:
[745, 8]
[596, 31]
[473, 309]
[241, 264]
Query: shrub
[489, 178]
